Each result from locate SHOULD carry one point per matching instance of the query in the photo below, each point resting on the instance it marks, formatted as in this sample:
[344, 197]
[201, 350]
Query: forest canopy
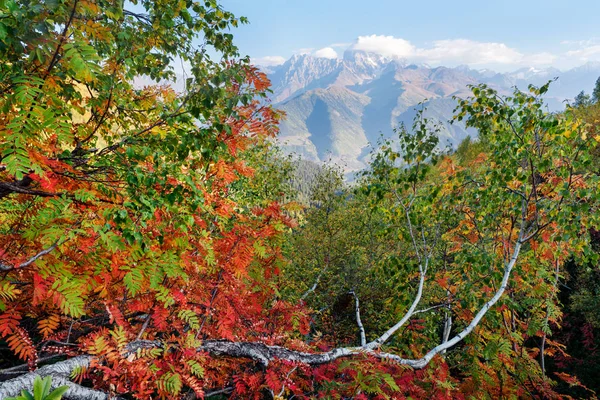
[155, 244]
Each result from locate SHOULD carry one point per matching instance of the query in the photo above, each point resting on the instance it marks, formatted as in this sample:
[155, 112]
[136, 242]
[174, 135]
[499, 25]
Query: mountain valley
[336, 109]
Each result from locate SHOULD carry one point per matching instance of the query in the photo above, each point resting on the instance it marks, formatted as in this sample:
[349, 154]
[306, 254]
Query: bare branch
[139, 16]
[217, 392]
[424, 310]
[287, 376]
[361, 328]
[17, 369]
[5, 267]
[144, 326]
[412, 235]
[22, 187]
[314, 286]
[447, 321]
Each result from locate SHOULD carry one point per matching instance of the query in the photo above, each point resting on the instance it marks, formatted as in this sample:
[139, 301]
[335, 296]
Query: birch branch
[264, 354]
[385, 337]
[314, 286]
[447, 321]
[466, 331]
[60, 373]
[361, 328]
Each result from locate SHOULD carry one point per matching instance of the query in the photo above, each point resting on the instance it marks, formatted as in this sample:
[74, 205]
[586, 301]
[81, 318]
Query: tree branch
[447, 321]
[460, 336]
[314, 286]
[60, 373]
[217, 392]
[264, 354]
[21, 186]
[6, 267]
[361, 328]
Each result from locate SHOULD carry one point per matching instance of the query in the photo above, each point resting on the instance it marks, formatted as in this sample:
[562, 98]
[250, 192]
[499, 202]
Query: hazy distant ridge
[335, 107]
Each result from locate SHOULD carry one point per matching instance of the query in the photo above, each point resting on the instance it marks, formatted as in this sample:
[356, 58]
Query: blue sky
[500, 34]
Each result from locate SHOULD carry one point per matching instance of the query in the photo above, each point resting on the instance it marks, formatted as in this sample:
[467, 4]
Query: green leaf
[57, 393]
[41, 387]
[25, 395]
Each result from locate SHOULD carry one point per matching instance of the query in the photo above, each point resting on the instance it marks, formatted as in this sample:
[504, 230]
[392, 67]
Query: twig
[6, 267]
[226, 390]
[146, 322]
[431, 308]
[16, 368]
[314, 286]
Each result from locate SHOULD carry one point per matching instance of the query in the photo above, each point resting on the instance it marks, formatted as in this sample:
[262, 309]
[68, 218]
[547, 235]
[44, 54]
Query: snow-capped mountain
[301, 73]
[337, 107]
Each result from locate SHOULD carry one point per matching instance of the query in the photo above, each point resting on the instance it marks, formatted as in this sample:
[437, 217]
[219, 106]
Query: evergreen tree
[583, 99]
[596, 92]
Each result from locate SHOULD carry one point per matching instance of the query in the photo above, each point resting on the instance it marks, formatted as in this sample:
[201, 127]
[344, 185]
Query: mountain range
[336, 108]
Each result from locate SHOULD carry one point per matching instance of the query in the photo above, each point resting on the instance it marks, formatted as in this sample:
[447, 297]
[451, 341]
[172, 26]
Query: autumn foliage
[138, 232]
[118, 217]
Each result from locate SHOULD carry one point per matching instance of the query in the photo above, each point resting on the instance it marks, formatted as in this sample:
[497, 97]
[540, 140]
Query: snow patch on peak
[365, 57]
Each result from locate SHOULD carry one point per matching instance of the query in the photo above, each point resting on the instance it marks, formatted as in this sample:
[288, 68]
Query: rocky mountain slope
[336, 107]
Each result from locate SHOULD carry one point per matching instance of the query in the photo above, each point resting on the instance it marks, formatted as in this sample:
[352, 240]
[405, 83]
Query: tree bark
[60, 373]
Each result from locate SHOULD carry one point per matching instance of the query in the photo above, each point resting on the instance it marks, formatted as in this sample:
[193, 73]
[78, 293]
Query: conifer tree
[582, 99]
[596, 92]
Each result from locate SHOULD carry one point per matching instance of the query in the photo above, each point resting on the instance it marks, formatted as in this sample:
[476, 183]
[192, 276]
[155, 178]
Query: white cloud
[388, 46]
[581, 43]
[579, 52]
[326, 52]
[269, 61]
[452, 52]
[586, 53]
[464, 51]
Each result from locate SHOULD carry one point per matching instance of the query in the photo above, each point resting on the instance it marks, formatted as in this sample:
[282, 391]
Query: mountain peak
[335, 107]
[463, 68]
[589, 66]
[533, 72]
[365, 57]
[298, 57]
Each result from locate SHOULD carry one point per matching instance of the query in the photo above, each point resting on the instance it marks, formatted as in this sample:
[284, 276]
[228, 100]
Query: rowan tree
[121, 212]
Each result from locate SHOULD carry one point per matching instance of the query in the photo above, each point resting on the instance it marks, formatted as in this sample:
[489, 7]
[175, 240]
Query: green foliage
[526, 180]
[468, 150]
[337, 248]
[596, 92]
[42, 391]
[304, 178]
[582, 100]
